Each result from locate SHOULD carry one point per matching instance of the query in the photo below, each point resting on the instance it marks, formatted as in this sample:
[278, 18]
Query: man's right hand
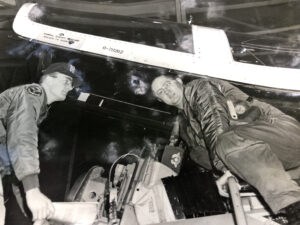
[40, 206]
[222, 184]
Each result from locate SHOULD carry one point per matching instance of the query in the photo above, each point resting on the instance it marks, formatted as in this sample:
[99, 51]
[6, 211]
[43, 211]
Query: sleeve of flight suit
[209, 103]
[196, 145]
[22, 136]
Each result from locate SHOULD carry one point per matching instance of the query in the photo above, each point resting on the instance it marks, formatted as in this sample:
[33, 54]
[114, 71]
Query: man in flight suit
[22, 109]
[258, 150]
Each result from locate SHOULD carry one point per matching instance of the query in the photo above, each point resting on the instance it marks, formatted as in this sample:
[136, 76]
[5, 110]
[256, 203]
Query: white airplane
[208, 54]
[198, 52]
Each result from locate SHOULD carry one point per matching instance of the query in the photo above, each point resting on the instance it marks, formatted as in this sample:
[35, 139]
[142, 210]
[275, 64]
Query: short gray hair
[168, 77]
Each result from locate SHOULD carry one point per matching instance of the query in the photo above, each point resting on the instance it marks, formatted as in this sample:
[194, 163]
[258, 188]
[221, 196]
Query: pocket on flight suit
[232, 142]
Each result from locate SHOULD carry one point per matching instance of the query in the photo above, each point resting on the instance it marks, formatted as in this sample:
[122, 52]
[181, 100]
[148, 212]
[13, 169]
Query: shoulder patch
[34, 90]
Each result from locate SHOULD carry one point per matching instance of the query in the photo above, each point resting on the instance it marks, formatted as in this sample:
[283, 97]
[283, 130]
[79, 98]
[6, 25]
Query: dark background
[77, 135]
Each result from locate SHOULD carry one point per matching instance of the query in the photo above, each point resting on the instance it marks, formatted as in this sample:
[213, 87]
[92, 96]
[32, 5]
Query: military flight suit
[258, 152]
[22, 109]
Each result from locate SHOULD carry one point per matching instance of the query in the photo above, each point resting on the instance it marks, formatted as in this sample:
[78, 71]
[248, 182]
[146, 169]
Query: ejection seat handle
[175, 131]
[236, 201]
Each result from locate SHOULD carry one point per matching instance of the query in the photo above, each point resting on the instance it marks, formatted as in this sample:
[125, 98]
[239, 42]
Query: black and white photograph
[147, 112]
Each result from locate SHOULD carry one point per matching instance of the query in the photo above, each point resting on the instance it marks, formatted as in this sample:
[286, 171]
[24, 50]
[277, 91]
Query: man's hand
[40, 206]
[173, 140]
[222, 184]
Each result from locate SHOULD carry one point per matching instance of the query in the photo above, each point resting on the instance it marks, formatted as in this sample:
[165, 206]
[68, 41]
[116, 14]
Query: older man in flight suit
[258, 150]
[22, 109]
